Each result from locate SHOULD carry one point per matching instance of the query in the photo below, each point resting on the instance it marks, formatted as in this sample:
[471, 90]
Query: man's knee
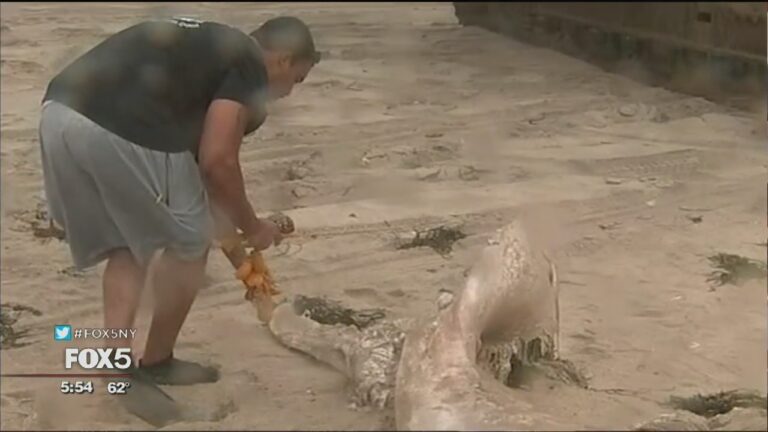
[180, 273]
[192, 256]
[124, 260]
[189, 262]
[122, 257]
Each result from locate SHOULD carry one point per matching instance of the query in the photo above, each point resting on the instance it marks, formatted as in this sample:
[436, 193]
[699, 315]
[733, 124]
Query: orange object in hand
[257, 261]
[255, 275]
[245, 270]
[255, 280]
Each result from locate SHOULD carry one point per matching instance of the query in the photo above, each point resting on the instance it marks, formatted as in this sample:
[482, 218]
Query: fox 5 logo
[98, 358]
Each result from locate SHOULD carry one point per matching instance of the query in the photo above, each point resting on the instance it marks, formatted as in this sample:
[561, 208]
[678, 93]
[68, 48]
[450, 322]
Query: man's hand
[264, 234]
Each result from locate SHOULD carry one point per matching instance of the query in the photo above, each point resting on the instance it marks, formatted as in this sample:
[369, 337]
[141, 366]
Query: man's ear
[285, 60]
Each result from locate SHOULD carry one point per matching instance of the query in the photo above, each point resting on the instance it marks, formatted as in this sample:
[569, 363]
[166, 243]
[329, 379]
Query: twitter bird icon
[62, 332]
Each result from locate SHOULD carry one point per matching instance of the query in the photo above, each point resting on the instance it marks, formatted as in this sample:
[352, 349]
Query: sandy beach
[410, 122]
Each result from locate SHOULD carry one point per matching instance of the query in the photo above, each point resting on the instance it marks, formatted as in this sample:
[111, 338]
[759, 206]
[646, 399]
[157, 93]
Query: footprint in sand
[17, 408]
[214, 410]
[78, 31]
[420, 157]
[363, 294]
[650, 313]
[9, 38]
[20, 67]
[326, 84]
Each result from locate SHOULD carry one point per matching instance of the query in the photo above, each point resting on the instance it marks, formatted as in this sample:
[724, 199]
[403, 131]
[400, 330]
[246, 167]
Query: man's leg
[175, 287]
[177, 282]
[68, 142]
[123, 284]
[155, 200]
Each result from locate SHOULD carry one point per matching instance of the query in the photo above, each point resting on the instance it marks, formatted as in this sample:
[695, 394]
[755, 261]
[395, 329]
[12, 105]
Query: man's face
[284, 73]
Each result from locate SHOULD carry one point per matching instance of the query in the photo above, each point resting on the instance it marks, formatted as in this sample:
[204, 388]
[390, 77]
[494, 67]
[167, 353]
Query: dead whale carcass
[370, 354]
[509, 296]
[435, 372]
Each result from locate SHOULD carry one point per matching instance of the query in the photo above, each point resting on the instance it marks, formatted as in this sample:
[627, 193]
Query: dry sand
[412, 121]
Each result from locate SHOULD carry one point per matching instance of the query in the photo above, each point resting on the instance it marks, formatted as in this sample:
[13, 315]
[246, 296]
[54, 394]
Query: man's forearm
[226, 231]
[236, 256]
[227, 191]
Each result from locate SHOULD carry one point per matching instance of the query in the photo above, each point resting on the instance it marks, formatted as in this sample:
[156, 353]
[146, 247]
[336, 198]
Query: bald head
[289, 35]
[289, 53]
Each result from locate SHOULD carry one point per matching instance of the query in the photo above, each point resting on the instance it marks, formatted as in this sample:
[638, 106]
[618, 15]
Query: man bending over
[140, 139]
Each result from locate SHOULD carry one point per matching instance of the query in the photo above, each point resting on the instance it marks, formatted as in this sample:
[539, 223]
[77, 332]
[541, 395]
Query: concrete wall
[724, 44]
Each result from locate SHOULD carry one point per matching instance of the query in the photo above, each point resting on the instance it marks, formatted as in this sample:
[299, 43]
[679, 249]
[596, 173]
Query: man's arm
[229, 238]
[219, 162]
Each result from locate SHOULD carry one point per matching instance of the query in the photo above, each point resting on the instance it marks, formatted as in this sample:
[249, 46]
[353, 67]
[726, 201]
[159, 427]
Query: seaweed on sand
[735, 269]
[329, 312]
[718, 403]
[440, 239]
[9, 316]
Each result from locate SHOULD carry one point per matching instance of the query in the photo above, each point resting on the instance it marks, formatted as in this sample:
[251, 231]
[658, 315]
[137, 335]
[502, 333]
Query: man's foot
[173, 371]
[146, 400]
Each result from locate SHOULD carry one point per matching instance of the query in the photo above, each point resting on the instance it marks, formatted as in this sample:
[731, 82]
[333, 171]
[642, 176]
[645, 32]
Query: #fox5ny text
[95, 358]
[66, 332]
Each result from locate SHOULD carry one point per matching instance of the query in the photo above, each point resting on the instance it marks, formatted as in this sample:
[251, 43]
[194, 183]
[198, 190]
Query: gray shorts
[108, 193]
